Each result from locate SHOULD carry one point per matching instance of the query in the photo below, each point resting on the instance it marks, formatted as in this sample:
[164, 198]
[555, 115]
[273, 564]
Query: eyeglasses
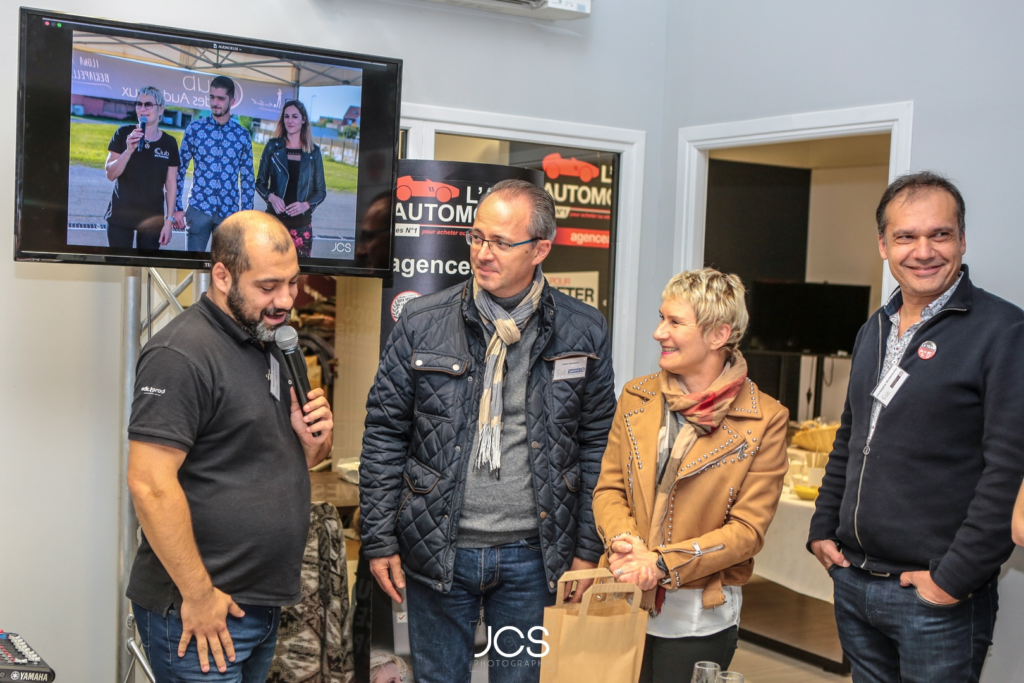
[498, 246]
[145, 105]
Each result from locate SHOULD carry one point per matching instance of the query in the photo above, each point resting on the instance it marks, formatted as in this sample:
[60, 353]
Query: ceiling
[859, 150]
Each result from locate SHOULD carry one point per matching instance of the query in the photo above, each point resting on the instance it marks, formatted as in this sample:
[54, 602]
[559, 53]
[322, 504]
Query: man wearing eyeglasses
[222, 177]
[484, 435]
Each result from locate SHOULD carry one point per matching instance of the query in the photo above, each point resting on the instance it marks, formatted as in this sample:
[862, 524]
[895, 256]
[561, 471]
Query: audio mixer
[19, 662]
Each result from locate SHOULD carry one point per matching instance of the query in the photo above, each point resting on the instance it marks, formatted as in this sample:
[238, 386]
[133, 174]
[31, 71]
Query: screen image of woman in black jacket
[291, 175]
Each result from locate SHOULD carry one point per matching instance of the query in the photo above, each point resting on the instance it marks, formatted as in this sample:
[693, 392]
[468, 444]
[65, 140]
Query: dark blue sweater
[937, 487]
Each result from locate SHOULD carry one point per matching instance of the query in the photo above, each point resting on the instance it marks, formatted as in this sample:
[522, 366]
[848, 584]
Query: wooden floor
[759, 665]
[791, 623]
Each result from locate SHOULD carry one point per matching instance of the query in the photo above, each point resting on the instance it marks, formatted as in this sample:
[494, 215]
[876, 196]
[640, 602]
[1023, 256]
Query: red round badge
[927, 350]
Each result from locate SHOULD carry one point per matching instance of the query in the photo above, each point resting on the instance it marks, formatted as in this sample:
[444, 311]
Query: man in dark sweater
[485, 430]
[913, 518]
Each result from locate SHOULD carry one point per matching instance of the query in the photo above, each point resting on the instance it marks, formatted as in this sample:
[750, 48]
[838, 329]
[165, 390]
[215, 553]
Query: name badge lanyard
[274, 375]
[894, 379]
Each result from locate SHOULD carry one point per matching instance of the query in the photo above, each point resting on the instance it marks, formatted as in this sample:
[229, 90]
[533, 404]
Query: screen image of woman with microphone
[291, 175]
[142, 161]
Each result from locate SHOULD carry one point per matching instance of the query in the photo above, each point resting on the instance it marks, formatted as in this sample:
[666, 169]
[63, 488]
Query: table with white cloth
[787, 607]
[784, 558]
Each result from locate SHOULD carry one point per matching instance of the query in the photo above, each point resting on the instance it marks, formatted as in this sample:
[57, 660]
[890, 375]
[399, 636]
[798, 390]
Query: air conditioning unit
[551, 10]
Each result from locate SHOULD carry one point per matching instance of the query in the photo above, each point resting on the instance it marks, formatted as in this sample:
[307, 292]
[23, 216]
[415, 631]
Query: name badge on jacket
[890, 384]
[570, 368]
[274, 375]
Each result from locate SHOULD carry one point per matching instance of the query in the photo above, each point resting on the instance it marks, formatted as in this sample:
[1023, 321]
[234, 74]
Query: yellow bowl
[806, 492]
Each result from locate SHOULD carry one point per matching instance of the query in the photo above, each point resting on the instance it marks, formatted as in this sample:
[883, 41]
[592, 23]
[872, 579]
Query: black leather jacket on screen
[422, 418]
[273, 174]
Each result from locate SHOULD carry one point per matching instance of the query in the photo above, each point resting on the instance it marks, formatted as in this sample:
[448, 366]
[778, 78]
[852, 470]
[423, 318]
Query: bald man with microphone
[220, 447]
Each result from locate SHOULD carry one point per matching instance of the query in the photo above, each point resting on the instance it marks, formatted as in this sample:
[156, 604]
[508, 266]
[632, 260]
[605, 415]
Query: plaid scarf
[700, 414]
[505, 329]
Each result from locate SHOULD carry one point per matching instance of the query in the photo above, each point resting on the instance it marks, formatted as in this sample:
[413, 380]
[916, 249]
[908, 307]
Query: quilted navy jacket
[422, 418]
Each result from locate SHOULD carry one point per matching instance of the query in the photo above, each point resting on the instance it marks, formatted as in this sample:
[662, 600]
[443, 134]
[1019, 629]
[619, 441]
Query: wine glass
[729, 677]
[705, 672]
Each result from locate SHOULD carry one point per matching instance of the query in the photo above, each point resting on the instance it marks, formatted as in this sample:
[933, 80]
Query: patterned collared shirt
[223, 161]
[897, 345]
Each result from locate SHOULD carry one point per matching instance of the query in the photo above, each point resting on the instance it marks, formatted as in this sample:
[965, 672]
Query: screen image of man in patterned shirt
[222, 176]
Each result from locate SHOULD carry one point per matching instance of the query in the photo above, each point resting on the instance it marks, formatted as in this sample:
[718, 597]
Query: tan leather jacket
[723, 500]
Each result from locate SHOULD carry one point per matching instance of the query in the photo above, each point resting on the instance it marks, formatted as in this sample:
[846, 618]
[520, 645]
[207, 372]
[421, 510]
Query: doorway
[847, 156]
[800, 212]
[762, 141]
[797, 213]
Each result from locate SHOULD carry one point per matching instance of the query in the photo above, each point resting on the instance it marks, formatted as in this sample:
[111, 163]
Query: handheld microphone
[288, 341]
[142, 125]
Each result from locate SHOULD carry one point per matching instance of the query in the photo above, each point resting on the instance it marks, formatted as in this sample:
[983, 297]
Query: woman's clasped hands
[631, 562]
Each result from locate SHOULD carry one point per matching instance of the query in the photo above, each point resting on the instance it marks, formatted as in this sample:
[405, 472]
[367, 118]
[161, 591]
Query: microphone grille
[286, 337]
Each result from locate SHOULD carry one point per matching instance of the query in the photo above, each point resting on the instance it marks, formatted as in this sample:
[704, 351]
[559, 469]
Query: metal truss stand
[133, 325]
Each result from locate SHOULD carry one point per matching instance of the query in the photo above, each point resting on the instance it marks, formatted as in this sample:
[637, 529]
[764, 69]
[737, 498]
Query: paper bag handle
[612, 588]
[581, 575]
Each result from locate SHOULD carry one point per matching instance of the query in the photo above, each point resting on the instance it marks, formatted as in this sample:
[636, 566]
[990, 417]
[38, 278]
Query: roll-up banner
[435, 204]
[584, 186]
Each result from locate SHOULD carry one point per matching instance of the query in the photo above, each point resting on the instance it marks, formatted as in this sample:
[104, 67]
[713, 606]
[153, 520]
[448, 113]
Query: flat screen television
[804, 317]
[212, 104]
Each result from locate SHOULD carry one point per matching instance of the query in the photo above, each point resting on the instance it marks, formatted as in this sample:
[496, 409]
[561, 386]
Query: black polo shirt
[203, 387]
[138, 197]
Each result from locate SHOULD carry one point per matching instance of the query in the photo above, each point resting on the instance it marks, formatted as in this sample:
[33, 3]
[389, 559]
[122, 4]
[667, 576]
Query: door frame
[695, 143]
[423, 121]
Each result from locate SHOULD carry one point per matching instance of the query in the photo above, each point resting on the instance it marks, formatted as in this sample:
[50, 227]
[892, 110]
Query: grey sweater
[498, 510]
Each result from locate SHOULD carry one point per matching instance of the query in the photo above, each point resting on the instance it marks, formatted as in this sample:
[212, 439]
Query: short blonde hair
[717, 299]
[379, 659]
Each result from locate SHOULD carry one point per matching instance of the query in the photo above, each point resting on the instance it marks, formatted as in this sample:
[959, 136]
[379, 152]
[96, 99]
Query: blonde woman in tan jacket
[691, 477]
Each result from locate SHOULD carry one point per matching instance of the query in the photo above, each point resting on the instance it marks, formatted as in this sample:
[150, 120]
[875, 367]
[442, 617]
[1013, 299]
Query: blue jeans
[510, 583]
[890, 633]
[200, 227]
[254, 637]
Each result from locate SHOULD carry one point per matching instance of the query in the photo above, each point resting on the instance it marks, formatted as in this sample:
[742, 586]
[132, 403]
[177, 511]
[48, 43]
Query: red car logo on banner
[407, 187]
[554, 165]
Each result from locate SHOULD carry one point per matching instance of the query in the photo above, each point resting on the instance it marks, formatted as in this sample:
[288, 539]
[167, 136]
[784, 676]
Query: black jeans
[671, 660]
[122, 236]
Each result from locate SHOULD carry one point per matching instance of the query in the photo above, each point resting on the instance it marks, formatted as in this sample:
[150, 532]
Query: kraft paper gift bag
[601, 638]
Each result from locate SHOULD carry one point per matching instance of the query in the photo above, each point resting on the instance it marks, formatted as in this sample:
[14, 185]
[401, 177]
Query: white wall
[58, 468]
[60, 365]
